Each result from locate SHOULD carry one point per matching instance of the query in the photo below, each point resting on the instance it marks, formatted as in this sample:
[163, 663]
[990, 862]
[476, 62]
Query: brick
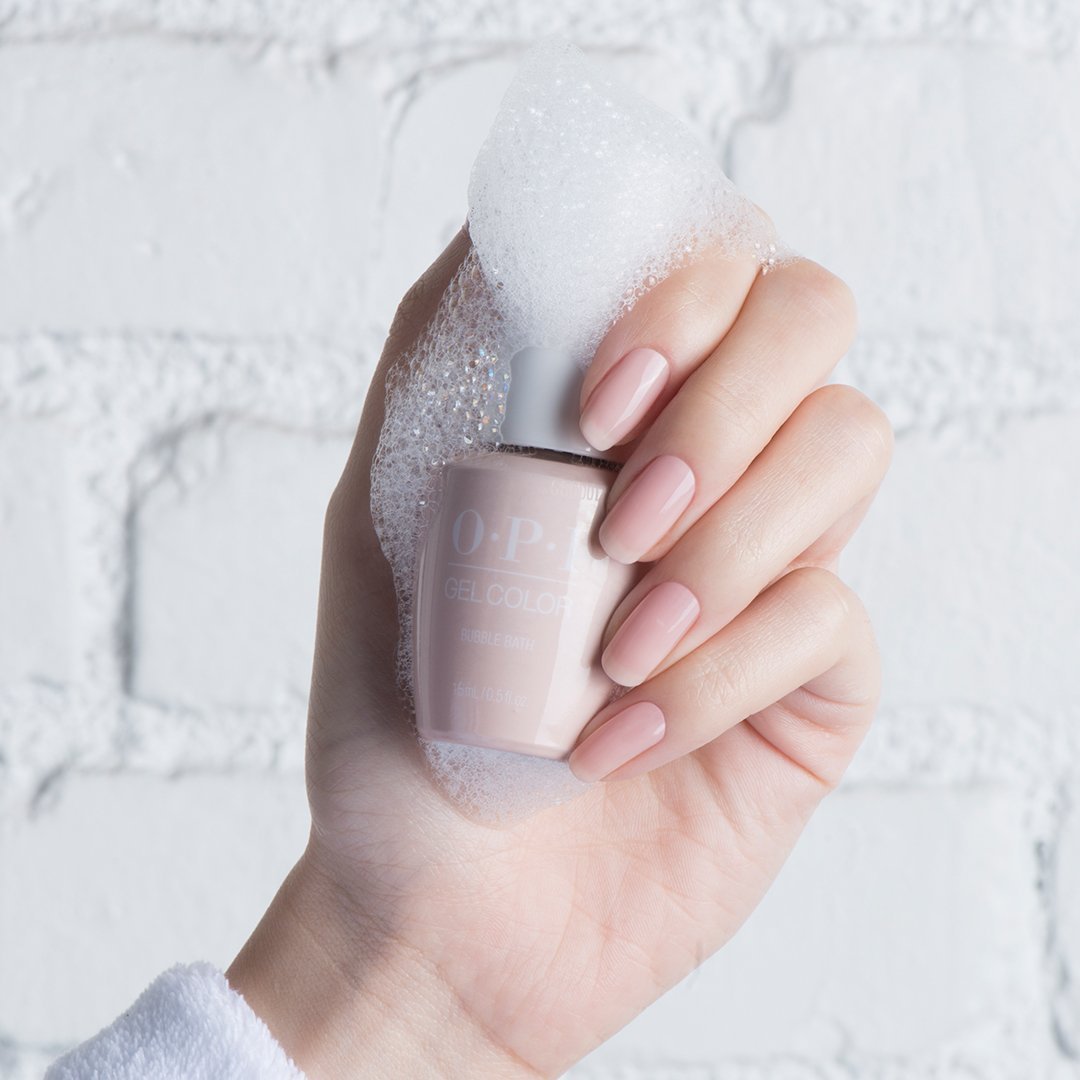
[24, 1063]
[163, 185]
[444, 118]
[1064, 904]
[903, 927]
[967, 564]
[964, 387]
[128, 875]
[624, 24]
[227, 551]
[35, 582]
[962, 205]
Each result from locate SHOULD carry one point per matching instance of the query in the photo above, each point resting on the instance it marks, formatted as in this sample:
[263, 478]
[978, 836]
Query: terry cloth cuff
[189, 1024]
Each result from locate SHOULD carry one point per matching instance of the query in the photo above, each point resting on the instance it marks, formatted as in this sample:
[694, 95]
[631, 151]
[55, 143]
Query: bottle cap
[543, 406]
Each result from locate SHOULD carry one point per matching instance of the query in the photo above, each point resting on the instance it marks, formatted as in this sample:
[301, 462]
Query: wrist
[344, 997]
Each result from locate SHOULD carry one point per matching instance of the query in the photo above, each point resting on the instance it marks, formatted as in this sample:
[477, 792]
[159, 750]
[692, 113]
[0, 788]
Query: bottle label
[513, 600]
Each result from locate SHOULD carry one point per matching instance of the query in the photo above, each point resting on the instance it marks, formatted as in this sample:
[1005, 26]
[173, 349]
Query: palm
[575, 918]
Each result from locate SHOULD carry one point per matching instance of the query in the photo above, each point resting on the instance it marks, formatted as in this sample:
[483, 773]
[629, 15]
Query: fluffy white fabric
[189, 1024]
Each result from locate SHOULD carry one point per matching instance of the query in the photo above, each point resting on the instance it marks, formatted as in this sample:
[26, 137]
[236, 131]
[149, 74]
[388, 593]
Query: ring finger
[796, 504]
[808, 632]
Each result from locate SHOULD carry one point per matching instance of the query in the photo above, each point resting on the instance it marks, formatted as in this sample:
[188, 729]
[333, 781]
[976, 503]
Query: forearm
[345, 999]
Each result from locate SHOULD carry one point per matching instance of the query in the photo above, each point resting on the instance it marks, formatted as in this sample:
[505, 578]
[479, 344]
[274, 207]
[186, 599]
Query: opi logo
[518, 537]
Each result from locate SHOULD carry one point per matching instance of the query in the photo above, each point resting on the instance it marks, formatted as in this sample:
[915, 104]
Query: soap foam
[582, 198]
[585, 194]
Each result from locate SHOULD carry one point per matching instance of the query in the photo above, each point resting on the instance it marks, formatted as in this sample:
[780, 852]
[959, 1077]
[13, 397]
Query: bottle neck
[543, 406]
[560, 455]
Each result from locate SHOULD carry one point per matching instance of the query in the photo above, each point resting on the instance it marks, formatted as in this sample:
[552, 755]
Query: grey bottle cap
[543, 407]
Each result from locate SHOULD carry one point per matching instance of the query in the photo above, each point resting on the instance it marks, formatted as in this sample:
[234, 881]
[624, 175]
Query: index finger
[651, 351]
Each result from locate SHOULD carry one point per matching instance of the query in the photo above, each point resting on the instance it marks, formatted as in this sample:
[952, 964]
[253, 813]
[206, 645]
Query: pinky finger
[799, 664]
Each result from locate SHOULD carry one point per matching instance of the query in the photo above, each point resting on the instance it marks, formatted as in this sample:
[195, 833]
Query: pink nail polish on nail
[647, 509]
[618, 740]
[623, 397]
[650, 632]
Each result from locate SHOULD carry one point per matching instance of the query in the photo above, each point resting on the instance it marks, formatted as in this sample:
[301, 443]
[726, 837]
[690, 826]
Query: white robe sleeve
[189, 1024]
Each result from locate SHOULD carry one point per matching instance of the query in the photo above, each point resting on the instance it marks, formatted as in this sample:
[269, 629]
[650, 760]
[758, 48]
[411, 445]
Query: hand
[413, 941]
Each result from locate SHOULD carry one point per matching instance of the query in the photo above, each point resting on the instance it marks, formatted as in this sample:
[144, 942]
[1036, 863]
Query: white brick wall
[208, 211]
[34, 570]
[128, 873]
[158, 184]
[225, 563]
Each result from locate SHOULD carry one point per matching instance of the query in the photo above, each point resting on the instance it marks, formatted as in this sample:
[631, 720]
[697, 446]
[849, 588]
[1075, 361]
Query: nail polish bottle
[513, 590]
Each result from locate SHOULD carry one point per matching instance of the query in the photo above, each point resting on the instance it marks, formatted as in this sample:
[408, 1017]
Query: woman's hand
[413, 941]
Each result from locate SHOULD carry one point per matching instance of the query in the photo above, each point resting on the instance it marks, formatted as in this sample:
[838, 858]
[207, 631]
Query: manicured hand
[745, 479]
[411, 940]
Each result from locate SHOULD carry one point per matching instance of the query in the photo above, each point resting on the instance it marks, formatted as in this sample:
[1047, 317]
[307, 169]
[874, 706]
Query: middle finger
[795, 325]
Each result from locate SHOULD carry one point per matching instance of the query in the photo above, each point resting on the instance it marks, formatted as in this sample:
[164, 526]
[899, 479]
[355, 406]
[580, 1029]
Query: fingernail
[615, 742]
[647, 509]
[649, 633]
[623, 397]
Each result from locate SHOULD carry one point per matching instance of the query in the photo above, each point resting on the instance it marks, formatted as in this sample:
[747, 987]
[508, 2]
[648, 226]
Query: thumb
[357, 630]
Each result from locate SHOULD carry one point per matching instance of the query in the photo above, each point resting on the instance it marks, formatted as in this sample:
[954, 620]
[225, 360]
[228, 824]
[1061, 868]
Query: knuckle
[822, 297]
[722, 682]
[739, 539]
[821, 602]
[736, 402]
[747, 534]
[861, 423]
[338, 516]
[333, 515]
[690, 299]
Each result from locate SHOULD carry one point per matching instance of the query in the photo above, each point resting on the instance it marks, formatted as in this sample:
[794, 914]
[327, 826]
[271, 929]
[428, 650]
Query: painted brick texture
[208, 212]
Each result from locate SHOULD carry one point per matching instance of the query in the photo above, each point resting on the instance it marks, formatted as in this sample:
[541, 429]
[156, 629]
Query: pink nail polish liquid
[513, 589]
